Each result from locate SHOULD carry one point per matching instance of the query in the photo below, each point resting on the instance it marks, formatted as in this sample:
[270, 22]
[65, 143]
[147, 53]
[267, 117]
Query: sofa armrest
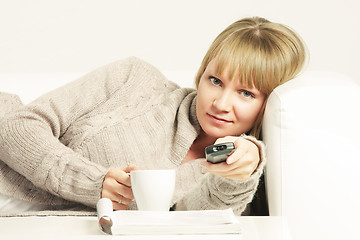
[311, 130]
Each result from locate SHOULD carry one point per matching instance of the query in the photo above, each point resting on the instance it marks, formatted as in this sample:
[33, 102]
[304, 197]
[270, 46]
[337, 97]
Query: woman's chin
[215, 133]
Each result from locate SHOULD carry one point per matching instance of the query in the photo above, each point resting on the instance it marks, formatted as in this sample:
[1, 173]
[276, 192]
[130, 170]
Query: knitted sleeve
[215, 192]
[29, 137]
[8, 103]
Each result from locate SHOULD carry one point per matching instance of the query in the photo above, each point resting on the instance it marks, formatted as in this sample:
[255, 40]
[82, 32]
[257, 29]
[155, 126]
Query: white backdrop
[79, 35]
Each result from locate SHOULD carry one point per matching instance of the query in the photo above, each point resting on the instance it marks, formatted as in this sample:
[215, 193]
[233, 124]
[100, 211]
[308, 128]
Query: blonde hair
[263, 54]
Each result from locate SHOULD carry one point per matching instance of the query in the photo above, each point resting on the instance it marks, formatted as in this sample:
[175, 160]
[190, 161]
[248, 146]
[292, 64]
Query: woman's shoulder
[9, 102]
[136, 65]
[144, 75]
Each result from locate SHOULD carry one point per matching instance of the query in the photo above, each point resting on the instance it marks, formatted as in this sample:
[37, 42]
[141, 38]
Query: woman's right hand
[117, 187]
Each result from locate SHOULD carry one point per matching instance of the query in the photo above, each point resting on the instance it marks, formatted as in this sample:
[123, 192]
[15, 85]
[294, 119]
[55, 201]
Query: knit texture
[57, 149]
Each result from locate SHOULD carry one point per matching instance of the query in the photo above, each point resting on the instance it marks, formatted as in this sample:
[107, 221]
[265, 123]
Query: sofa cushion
[311, 130]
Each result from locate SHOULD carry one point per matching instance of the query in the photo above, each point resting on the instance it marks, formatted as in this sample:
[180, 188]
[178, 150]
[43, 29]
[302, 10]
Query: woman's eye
[215, 80]
[247, 94]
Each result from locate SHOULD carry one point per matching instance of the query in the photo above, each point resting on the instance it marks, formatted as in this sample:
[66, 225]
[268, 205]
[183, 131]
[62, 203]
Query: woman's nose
[223, 101]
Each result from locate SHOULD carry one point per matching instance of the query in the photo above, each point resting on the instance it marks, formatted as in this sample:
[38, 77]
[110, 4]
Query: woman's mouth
[219, 120]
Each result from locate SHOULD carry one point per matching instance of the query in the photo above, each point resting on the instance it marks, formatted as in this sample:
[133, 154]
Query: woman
[77, 143]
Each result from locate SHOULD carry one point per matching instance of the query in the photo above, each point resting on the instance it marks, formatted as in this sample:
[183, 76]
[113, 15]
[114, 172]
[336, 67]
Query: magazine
[129, 222]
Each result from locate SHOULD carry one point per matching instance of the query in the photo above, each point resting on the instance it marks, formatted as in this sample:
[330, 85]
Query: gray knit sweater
[57, 149]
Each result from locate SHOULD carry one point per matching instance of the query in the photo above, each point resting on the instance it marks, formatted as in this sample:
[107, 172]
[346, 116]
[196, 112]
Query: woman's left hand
[240, 164]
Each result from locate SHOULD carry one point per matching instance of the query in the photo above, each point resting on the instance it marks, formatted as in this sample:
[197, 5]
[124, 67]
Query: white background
[80, 35]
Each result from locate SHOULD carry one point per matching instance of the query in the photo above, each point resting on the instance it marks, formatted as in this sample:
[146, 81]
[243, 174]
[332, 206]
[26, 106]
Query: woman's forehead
[230, 70]
[224, 71]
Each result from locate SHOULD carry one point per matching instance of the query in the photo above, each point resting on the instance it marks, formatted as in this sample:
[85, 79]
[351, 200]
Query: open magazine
[127, 222]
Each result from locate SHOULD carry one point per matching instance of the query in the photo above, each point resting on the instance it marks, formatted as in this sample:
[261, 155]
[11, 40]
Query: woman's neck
[202, 141]
[197, 149]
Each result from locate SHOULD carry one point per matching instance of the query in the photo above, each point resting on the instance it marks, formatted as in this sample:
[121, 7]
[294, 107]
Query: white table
[69, 227]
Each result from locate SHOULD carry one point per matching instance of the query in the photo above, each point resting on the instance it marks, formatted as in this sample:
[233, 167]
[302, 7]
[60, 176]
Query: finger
[242, 168]
[245, 170]
[241, 148]
[119, 206]
[117, 173]
[119, 189]
[122, 175]
[127, 193]
[117, 197]
[123, 178]
[234, 174]
[130, 168]
[111, 188]
[236, 155]
[247, 160]
[123, 200]
[218, 167]
[242, 160]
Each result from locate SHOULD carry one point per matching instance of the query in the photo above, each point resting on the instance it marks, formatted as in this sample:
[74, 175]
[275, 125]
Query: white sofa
[312, 133]
[311, 129]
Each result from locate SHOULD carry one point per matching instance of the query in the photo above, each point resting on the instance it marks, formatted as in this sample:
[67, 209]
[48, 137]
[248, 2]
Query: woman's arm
[216, 192]
[29, 137]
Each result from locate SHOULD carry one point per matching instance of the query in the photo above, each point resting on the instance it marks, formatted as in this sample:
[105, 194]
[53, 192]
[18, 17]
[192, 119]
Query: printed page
[172, 222]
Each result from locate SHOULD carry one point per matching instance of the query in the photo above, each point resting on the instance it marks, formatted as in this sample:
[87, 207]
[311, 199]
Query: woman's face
[224, 107]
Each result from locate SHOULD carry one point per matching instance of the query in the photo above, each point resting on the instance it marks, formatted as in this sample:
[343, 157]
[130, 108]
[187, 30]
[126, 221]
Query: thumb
[130, 168]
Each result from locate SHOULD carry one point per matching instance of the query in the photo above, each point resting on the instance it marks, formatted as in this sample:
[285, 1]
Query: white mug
[153, 189]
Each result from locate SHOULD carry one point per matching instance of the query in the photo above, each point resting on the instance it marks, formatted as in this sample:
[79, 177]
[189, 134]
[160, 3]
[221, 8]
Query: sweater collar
[187, 129]
[192, 116]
